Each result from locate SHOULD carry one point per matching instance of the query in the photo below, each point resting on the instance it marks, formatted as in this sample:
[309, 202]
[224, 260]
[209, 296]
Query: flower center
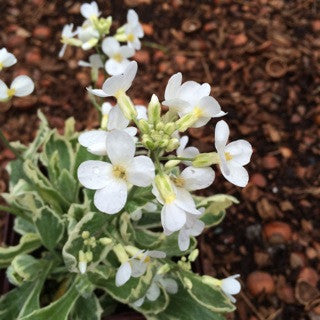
[198, 112]
[11, 92]
[130, 37]
[118, 57]
[147, 259]
[1, 66]
[228, 156]
[119, 172]
[179, 182]
[170, 198]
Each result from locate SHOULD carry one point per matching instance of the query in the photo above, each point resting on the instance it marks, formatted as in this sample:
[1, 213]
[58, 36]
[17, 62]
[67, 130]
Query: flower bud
[126, 106]
[173, 144]
[89, 256]
[205, 159]
[193, 255]
[90, 44]
[85, 234]
[170, 128]
[186, 122]
[172, 163]
[148, 142]
[164, 269]
[165, 188]
[159, 126]
[105, 241]
[120, 253]
[143, 125]
[82, 265]
[154, 110]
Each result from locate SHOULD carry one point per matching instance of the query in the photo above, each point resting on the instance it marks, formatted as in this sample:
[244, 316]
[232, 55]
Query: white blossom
[7, 59]
[175, 209]
[88, 35]
[191, 97]
[230, 286]
[186, 152]
[111, 179]
[118, 84]
[118, 56]
[136, 266]
[233, 156]
[21, 86]
[90, 10]
[94, 62]
[154, 291]
[133, 30]
[67, 34]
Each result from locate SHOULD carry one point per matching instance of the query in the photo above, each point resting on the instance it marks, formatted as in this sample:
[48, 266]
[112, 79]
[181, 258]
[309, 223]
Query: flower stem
[8, 145]
[177, 158]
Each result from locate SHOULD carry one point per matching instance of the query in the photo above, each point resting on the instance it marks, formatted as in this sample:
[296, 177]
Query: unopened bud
[172, 163]
[120, 253]
[85, 234]
[89, 256]
[143, 125]
[126, 106]
[154, 110]
[105, 241]
[159, 126]
[193, 255]
[165, 188]
[205, 159]
[164, 269]
[172, 145]
[170, 128]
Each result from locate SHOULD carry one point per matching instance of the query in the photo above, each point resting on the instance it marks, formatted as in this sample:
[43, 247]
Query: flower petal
[185, 201]
[116, 119]
[209, 106]
[94, 174]
[129, 74]
[138, 268]
[141, 171]
[95, 141]
[156, 254]
[110, 46]
[221, 135]
[98, 92]
[170, 285]
[237, 175]
[3, 90]
[113, 197]
[89, 9]
[123, 274]
[183, 240]
[230, 285]
[153, 292]
[173, 86]
[240, 150]
[197, 178]
[172, 217]
[142, 112]
[111, 86]
[120, 147]
[132, 17]
[114, 67]
[23, 86]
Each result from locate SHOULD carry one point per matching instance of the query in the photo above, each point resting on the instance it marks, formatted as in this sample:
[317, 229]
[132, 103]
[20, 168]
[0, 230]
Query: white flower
[136, 266]
[193, 227]
[111, 179]
[133, 30]
[191, 97]
[175, 208]
[67, 34]
[137, 214]
[233, 156]
[21, 86]
[118, 56]
[189, 152]
[82, 267]
[112, 119]
[90, 10]
[142, 112]
[153, 293]
[88, 35]
[94, 62]
[7, 59]
[118, 84]
[230, 286]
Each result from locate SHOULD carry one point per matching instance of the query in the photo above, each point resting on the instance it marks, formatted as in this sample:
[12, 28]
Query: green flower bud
[164, 269]
[163, 143]
[89, 256]
[188, 283]
[120, 252]
[170, 128]
[165, 187]
[159, 126]
[82, 256]
[173, 144]
[143, 125]
[193, 255]
[105, 241]
[205, 159]
[148, 142]
[154, 110]
[186, 122]
[126, 106]
[172, 163]
[85, 234]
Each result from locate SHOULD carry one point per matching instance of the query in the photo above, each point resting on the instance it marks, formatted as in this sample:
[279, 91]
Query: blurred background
[261, 58]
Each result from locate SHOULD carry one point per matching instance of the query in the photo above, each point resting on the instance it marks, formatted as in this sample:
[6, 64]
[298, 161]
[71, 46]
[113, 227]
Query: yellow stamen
[147, 259]
[170, 198]
[11, 92]
[198, 112]
[104, 121]
[1, 66]
[228, 156]
[118, 57]
[119, 172]
[130, 37]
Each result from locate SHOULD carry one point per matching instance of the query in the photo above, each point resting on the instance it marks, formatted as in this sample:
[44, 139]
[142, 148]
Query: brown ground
[262, 60]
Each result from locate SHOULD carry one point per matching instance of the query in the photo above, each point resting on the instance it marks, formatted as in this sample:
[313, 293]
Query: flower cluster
[21, 86]
[94, 33]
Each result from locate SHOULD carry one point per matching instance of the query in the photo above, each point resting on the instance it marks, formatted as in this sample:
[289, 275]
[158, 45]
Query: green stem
[8, 145]
[155, 45]
[15, 212]
[177, 158]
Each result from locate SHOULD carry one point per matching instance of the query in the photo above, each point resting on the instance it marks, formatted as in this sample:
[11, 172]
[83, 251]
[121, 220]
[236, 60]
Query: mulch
[261, 58]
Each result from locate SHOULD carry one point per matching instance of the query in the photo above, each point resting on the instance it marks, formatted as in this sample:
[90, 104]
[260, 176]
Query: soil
[262, 60]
